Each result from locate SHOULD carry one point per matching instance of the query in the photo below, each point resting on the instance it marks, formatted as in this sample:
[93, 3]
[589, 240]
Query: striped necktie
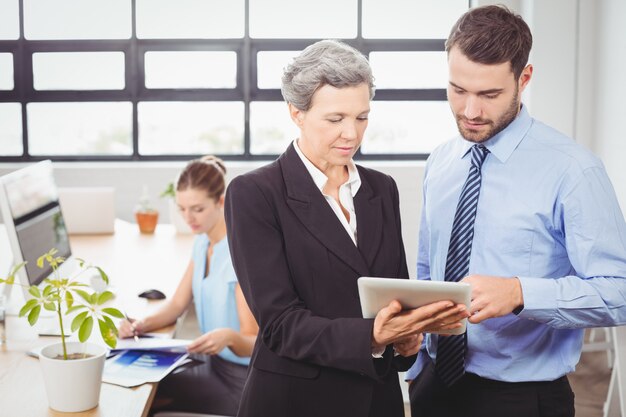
[450, 361]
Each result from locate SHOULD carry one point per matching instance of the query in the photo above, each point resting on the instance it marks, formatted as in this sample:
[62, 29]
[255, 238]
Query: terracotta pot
[147, 221]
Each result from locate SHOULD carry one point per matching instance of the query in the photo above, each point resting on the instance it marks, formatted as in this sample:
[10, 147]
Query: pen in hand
[132, 326]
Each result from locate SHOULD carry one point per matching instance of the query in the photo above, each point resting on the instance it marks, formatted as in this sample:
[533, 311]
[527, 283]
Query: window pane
[271, 128]
[270, 66]
[408, 127]
[298, 19]
[410, 69]
[9, 20]
[78, 70]
[10, 129]
[84, 128]
[190, 128]
[193, 19]
[427, 19]
[184, 69]
[77, 19]
[6, 71]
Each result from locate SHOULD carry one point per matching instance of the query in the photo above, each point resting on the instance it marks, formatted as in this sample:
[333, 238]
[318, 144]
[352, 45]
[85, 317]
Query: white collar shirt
[347, 191]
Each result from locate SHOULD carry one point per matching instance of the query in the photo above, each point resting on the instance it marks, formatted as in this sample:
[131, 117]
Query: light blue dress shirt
[547, 214]
[214, 295]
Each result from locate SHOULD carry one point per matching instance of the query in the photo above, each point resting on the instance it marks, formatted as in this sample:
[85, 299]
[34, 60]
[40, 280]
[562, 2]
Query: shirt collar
[505, 142]
[320, 179]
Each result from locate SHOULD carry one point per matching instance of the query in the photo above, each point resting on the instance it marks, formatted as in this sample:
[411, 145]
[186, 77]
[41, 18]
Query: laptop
[88, 210]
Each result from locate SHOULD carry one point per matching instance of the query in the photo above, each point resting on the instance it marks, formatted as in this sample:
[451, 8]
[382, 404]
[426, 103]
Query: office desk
[133, 262]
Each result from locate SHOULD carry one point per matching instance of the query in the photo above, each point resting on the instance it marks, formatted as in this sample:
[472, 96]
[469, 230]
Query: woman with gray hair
[301, 231]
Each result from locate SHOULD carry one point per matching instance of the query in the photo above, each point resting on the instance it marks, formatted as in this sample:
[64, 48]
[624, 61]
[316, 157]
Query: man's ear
[296, 114]
[525, 77]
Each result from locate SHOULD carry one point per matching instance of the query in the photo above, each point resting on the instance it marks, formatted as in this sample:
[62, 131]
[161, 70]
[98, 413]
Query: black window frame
[134, 91]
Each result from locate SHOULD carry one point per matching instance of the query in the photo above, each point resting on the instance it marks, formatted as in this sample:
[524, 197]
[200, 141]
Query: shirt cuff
[540, 298]
[378, 353]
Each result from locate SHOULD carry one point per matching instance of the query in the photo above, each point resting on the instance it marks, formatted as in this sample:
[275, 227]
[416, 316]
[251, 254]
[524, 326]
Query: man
[529, 219]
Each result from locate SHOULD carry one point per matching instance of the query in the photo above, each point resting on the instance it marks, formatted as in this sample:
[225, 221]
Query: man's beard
[495, 127]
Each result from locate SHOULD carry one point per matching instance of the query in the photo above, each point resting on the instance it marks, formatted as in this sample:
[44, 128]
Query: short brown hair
[207, 173]
[492, 35]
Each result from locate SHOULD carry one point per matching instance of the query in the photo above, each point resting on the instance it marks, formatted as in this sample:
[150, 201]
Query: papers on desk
[135, 363]
[136, 367]
[153, 343]
[149, 359]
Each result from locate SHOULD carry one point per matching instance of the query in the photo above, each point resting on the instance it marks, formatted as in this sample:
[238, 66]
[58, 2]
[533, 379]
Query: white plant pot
[177, 219]
[72, 385]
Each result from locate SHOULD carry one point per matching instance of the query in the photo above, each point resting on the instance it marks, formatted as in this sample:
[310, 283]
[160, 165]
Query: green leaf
[84, 294]
[104, 297]
[47, 290]
[33, 316]
[30, 304]
[110, 323]
[34, 291]
[81, 262]
[103, 275]
[40, 261]
[54, 283]
[10, 280]
[17, 268]
[85, 329]
[50, 306]
[107, 333]
[54, 297]
[2, 280]
[78, 320]
[69, 300]
[113, 312]
[75, 308]
[93, 299]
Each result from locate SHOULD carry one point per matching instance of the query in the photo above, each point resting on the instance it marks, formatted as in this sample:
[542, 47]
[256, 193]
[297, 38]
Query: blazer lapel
[369, 216]
[311, 208]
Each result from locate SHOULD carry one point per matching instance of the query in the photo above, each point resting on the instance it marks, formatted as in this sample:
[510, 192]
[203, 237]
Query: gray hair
[325, 62]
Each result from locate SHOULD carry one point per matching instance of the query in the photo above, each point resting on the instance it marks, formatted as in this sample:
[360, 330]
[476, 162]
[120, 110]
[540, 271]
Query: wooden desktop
[134, 262]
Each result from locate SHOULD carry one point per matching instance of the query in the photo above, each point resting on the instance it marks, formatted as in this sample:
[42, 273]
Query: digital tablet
[376, 293]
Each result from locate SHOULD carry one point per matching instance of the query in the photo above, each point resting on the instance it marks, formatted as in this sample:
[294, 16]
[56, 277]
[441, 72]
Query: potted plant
[72, 371]
[146, 215]
[174, 214]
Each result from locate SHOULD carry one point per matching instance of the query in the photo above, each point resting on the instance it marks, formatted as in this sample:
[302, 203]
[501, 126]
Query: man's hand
[493, 296]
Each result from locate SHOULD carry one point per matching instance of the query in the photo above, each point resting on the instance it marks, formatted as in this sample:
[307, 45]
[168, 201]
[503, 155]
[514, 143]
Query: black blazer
[298, 270]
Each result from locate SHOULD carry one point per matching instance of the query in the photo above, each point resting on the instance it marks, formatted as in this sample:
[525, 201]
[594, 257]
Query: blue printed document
[136, 367]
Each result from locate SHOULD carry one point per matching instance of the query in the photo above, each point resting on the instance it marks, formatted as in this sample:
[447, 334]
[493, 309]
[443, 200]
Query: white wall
[579, 56]
[610, 108]
[129, 178]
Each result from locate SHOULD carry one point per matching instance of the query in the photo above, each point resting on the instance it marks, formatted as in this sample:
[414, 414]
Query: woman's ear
[220, 202]
[296, 114]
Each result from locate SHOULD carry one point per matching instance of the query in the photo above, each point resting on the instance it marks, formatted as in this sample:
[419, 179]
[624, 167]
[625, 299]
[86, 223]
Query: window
[161, 80]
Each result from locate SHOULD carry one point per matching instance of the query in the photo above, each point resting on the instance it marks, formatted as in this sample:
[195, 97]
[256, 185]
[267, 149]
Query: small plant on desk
[169, 191]
[145, 214]
[81, 374]
[66, 296]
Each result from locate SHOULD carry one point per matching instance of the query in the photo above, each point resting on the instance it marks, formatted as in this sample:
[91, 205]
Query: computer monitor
[34, 222]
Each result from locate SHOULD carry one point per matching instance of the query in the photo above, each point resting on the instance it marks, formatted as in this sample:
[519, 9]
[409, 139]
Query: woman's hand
[129, 328]
[211, 343]
[393, 324]
[409, 346]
